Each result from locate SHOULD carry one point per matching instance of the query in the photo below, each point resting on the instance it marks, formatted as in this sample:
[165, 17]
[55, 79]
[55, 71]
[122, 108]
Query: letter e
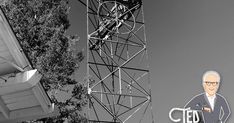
[189, 113]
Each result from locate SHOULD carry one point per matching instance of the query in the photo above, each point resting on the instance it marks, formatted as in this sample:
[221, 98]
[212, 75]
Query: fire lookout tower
[117, 62]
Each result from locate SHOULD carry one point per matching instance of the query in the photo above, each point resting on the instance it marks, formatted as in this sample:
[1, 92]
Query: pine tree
[40, 27]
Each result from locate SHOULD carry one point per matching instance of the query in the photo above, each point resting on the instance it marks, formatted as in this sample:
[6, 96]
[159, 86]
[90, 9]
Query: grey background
[186, 38]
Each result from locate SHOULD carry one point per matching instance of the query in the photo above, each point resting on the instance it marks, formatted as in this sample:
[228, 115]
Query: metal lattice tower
[118, 85]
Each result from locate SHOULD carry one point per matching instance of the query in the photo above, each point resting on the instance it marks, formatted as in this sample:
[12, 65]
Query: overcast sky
[186, 38]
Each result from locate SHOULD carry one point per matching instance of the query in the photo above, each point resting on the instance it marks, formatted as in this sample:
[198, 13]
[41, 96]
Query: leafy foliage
[40, 26]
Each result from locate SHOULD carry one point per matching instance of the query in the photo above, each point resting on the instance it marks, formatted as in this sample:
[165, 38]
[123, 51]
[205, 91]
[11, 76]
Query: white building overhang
[12, 58]
[22, 96]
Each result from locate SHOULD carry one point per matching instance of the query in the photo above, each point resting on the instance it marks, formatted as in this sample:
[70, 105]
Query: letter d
[195, 114]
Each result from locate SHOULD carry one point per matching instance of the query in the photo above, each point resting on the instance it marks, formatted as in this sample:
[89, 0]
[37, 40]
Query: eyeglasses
[211, 83]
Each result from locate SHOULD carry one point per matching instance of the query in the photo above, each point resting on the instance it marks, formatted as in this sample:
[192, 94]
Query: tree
[40, 27]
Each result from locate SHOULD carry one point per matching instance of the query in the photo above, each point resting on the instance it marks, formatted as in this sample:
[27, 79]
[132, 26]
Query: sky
[185, 38]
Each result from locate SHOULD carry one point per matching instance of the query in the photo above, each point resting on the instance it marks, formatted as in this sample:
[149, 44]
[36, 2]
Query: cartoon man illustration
[214, 106]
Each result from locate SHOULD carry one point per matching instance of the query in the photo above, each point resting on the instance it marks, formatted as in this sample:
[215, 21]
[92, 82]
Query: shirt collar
[212, 97]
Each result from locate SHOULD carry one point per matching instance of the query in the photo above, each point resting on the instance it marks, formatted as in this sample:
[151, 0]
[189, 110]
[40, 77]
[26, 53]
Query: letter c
[170, 115]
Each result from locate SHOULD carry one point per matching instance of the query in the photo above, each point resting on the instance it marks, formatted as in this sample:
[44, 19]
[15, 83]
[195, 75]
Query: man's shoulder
[201, 95]
[219, 96]
[198, 97]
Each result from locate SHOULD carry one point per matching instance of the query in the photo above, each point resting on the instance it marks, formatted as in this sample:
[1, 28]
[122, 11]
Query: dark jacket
[221, 110]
